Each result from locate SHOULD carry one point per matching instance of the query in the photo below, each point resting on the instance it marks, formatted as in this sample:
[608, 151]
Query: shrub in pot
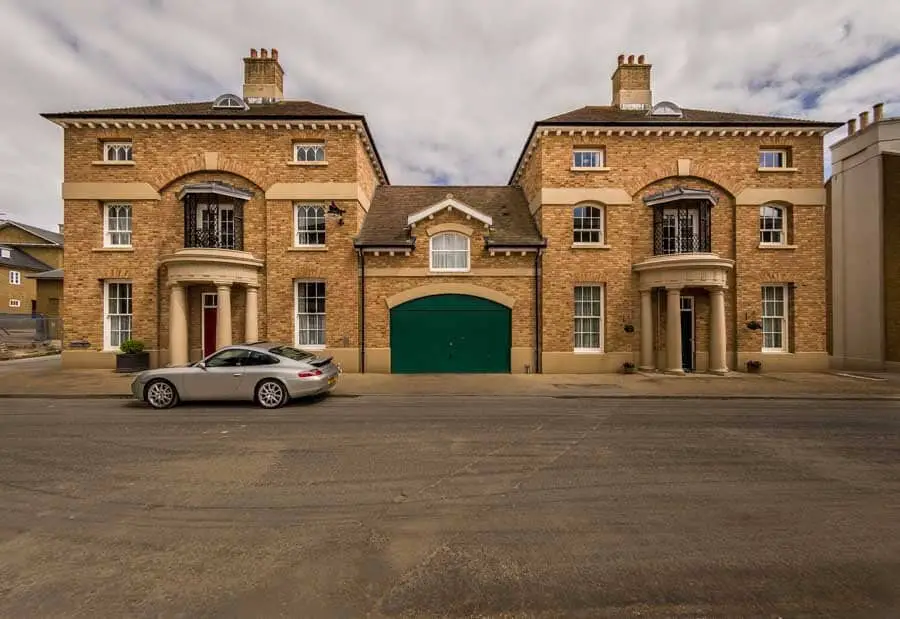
[754, 366]
[628, 367]
[133, 357]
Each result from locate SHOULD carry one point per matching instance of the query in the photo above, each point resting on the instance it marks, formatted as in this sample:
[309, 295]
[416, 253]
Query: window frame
[782, 231]
[320, 146]
[107, 232]
[468, 251]
[601, 230]
[15, 303]
[15, 278]
[785, 158]
[600, 151]
[309, 231]
[324, 314]
[784, 318]
[107, 323]
[107, 145]
[601, 317]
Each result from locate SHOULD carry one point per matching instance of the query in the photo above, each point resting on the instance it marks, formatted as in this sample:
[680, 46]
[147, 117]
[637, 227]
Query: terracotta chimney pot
[631, 59]
[877, 112]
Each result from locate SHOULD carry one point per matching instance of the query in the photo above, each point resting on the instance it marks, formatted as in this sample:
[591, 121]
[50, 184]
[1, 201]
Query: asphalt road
[431, 507]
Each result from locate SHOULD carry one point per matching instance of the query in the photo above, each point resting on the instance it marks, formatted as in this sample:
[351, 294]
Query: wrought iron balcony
[214, 216]
[681, 222]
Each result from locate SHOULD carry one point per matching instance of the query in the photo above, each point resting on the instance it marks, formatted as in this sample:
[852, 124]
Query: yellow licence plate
[332, 380]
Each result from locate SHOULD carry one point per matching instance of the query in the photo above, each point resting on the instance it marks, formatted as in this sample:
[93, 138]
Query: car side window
[258, 358]
[228, 359]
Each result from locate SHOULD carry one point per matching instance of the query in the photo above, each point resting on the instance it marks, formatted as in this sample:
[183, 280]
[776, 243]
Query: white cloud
[450, 87]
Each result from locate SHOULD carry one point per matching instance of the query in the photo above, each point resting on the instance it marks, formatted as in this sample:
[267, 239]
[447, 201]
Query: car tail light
[310, 373]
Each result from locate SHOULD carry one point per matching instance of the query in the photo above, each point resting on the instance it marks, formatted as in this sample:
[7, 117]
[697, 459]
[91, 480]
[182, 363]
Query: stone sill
[309, 248]
[113, 249]
[777, 170]
[775, 246]
[126, 163]
[591, 246]
[308, 163]
[574, 169]
[582, 351]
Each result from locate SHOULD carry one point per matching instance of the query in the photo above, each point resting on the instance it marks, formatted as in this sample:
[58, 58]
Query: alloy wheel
[270, 394]
[160, 394]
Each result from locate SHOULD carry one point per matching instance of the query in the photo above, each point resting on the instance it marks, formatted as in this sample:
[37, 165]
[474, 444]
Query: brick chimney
[263, 77]
[631, 84]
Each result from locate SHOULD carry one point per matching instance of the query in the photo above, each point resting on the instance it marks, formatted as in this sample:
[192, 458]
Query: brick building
[631, 232]
[26, 254]
[864, 199]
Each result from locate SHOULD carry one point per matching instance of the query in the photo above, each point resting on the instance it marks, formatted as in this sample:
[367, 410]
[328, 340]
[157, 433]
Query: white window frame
[432, 250]
[780, 151]
[113, 146]
[15, 278]
[298, 233]
[108, 232]
[203, 209]
[15, 303]
[782, 231]
[598, 221]
[601, 317]
[323, 314]
[783, 319]
[600, 162]
[318, 149]
[107, 316]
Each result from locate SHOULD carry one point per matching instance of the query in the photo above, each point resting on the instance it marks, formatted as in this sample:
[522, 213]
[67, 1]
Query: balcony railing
[214, 222]
[681, 230]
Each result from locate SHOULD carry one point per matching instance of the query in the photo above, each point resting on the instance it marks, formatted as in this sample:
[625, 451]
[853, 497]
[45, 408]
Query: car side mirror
[201, 365]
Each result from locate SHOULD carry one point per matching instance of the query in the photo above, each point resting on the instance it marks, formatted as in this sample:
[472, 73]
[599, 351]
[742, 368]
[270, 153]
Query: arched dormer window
[772, 224]
[449, 252]
[666, 108]
[588, 224]
[229, 101]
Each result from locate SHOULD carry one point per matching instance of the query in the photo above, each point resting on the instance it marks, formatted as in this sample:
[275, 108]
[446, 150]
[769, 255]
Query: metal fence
[29, 329]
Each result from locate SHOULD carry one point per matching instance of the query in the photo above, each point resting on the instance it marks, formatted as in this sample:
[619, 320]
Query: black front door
[687, 334]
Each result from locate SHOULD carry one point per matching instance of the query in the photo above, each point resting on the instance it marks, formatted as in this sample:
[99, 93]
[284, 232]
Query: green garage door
[450, 333]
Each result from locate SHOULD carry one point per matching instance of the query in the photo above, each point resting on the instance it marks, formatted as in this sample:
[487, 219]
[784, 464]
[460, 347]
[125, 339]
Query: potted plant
[133, 357]
[628, 367]
[754, 325]
[754, 366]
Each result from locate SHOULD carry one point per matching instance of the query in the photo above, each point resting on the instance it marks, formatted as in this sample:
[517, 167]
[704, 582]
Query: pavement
[437, 506]
[44, 377]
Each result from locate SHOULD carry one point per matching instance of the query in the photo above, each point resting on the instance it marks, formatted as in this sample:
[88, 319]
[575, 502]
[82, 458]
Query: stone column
[673, 331]
[647, 360]
[251, 315]
[178, 326]
[223, 316]
[717, 335]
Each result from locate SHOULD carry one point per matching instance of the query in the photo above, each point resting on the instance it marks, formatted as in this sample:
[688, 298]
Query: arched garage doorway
[450, 333]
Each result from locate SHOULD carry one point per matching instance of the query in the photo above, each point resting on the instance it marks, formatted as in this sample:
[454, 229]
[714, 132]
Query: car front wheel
[161, 394]
[271, 394]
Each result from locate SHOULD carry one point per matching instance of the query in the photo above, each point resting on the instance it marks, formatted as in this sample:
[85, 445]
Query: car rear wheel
[161, 394]
[271, 394]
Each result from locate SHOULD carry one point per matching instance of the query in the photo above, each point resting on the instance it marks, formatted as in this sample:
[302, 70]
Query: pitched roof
[612, 115]
[385, 224]
[54, 274]
[51, 237]
[205, 109]
[18, 259]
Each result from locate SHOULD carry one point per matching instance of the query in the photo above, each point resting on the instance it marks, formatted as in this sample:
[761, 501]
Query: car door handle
[236, 374]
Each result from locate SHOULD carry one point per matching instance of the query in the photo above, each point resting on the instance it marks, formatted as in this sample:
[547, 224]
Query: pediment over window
[679, 193]
[449, 203]
[215, 188]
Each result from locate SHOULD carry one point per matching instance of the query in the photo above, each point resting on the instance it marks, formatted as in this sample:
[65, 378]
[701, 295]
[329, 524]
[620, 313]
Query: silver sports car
[264, 372]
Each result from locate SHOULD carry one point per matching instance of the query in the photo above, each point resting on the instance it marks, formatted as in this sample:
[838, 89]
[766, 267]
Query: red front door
[210, 313]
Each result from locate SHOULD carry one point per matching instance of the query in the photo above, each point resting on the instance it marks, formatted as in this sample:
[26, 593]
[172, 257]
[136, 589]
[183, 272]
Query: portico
[223, 269]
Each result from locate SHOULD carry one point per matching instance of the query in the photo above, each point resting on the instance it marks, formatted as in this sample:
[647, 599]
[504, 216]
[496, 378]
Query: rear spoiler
[319, 362]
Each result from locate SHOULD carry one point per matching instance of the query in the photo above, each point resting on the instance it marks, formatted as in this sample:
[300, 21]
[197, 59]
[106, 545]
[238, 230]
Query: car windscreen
[292, 353]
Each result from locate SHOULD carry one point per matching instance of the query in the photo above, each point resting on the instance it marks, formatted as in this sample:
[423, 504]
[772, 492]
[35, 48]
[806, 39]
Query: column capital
[716, 289]
[171, 285]
[673, 289]
[222, 284]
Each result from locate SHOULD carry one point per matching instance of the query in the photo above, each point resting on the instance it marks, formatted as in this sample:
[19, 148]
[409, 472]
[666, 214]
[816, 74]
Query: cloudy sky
[450, 87]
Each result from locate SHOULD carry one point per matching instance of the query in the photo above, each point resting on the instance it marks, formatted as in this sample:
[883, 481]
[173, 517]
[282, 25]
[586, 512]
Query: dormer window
[666, 108]
[229, 101]
[118, 150]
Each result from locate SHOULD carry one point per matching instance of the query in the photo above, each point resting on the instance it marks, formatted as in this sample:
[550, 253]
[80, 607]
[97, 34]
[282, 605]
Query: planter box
[754, 369]
[132, 362]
